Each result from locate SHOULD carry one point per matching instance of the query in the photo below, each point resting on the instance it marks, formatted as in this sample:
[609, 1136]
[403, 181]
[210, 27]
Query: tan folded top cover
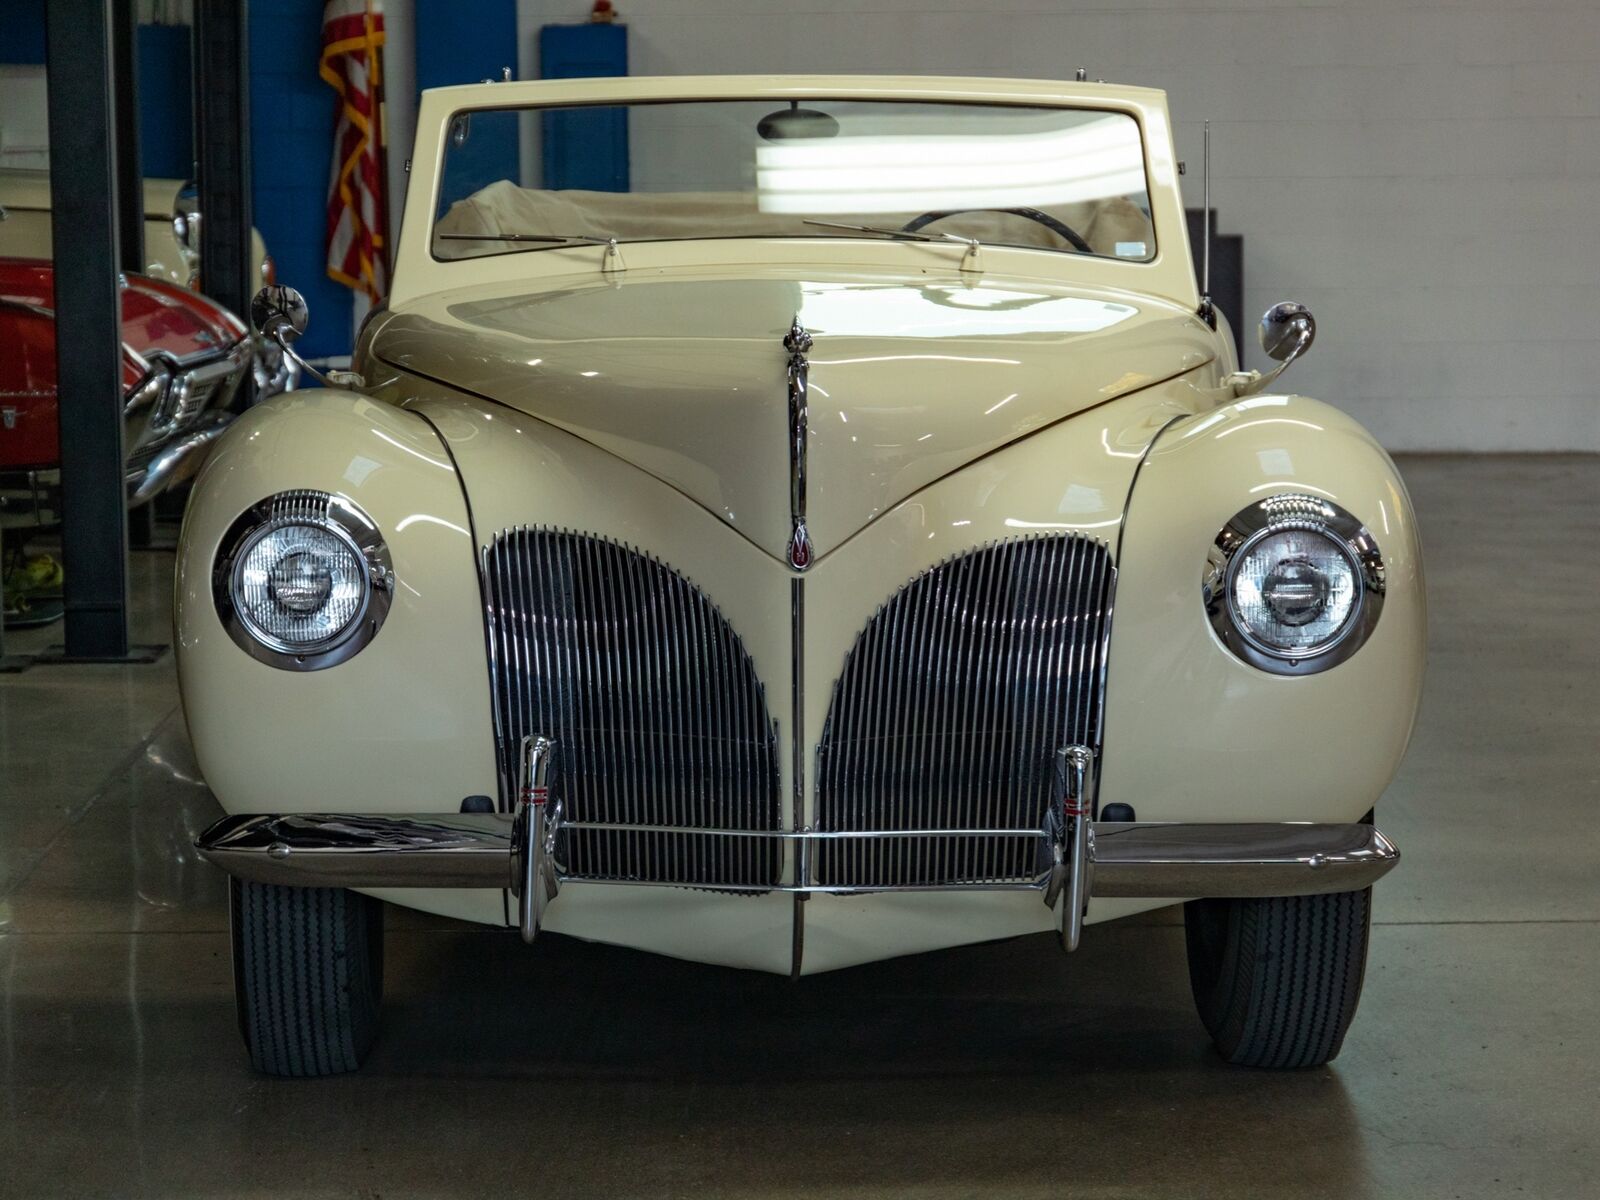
[504, 207]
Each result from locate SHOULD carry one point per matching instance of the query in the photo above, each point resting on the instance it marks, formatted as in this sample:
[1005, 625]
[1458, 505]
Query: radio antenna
[1207, 312]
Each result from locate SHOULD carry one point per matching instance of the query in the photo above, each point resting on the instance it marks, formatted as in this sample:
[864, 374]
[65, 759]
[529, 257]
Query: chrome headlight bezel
[331, 514]
[1252, 525]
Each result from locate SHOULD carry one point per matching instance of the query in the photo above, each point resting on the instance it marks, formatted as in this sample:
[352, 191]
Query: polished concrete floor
[1010, 1070]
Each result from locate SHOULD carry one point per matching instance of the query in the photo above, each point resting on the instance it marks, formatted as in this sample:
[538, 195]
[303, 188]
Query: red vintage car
[183, 358]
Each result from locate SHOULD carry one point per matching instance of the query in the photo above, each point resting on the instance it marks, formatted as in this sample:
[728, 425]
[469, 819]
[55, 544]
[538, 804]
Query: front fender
[404, 725]
[1191, 732]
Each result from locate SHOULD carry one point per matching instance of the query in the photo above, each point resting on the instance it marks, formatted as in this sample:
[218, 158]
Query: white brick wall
[1425, 174]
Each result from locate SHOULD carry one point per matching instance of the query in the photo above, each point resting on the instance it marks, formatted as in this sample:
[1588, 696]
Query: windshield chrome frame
[541, 244]
[1169, 274]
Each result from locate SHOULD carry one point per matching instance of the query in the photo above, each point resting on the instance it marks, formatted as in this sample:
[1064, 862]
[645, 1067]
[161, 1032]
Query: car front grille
[944, 723]
[655, 707]
[951, 708]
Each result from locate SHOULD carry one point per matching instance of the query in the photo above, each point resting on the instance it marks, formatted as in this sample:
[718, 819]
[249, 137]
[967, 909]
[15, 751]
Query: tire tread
[1277, 980]
[308, 966]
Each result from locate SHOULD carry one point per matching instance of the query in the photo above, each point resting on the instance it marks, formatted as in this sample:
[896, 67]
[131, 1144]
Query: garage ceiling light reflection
[935, 312]
[911, 172]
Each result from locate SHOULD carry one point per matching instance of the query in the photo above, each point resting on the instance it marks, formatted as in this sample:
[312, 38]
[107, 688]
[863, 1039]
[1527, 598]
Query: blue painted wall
[458, 43]
[22, 31]
[166, 102]
[452, 51]
[586, 147]
[291, 144]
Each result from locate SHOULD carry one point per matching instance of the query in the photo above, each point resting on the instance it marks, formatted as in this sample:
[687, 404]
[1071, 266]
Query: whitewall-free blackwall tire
[307, 976]
[1277, 980]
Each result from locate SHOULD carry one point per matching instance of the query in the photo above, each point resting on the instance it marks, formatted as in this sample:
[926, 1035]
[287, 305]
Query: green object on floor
[32, 588]
[36, 573]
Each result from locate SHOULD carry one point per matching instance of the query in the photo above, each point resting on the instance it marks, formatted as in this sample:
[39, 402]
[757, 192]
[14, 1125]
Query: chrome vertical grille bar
[661, 718]
[951, 707]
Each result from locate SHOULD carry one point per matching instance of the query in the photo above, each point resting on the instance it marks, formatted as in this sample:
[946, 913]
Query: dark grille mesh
[653, 701]
[950, 710]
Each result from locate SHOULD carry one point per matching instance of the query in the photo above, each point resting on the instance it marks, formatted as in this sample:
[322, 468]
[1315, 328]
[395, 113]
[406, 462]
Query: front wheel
[307, 976]
[1277, 980]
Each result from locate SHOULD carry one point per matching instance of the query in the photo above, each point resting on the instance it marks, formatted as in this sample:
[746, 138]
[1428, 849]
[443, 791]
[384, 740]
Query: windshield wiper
[914, 235]
[527, 237]
[611, 261]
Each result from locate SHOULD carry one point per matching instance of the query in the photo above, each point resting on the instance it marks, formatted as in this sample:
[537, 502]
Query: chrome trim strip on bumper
[1148, 858]
[469, 850]
[1139, 858]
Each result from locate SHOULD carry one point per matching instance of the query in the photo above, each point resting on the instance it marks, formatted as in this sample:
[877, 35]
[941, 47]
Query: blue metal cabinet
[585, 148]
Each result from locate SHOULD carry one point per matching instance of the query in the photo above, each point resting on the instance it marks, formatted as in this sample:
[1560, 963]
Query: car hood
[685, 377]
[157, 315]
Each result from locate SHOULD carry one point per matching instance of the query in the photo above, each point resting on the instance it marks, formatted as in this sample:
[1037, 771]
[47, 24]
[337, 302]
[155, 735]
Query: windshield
[516, 181]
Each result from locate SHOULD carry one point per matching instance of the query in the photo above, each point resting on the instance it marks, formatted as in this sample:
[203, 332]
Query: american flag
[352, 63]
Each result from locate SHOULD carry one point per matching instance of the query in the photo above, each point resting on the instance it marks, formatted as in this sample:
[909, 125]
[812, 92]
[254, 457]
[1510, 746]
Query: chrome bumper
[486, 850]
[1077, 855]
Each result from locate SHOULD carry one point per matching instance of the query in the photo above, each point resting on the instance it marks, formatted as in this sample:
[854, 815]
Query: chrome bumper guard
[520, 851]
[176, 460]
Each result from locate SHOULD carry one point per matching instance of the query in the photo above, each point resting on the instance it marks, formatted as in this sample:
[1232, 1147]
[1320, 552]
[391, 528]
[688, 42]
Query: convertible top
[505, 208]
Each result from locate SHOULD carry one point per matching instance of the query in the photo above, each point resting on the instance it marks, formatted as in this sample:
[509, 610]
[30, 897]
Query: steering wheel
[1060, 228]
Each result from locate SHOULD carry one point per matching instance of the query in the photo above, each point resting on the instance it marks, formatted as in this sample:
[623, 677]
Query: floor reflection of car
[183, 358]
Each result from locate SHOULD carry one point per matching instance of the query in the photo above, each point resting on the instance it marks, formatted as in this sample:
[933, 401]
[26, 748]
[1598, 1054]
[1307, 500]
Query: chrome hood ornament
[797, 341]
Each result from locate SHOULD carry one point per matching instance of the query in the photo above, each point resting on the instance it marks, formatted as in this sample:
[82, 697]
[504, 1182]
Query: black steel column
[83, 186]
[130, 178]
[222, 147]
[130, 188]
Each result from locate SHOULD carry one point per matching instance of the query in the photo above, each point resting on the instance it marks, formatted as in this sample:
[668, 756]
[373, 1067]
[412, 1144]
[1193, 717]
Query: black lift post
[222, 146]
[84, 193]
[130, 189]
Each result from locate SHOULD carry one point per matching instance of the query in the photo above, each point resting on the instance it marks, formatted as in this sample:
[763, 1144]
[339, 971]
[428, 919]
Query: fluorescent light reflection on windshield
[907, 171]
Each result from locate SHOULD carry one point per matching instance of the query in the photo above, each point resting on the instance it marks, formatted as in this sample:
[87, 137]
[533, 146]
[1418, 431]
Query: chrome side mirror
[280, 314]
[1287, 331]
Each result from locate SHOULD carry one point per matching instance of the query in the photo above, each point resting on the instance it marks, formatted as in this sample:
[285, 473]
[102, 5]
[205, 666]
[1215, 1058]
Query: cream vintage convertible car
[850, 535]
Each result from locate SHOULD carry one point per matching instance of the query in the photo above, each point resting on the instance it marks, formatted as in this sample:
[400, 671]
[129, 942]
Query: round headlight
[299, 587]
[1294, 584]
[1293, 590]
[303, 581]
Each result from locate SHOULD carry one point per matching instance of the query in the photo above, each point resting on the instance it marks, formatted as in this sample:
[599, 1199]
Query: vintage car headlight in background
[1293, 584]
[303, 580]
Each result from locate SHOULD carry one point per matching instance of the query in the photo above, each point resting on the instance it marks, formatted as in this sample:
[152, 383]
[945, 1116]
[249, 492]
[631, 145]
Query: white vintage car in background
[171, 226]
[171, 248]
[852, 537]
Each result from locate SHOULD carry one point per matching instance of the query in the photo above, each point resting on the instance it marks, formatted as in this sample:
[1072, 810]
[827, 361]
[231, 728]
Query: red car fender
[157, 319]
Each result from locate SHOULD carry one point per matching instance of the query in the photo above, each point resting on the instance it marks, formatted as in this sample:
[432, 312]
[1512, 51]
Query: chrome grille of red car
[196, 389]
[654, 704]
[950, 710]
